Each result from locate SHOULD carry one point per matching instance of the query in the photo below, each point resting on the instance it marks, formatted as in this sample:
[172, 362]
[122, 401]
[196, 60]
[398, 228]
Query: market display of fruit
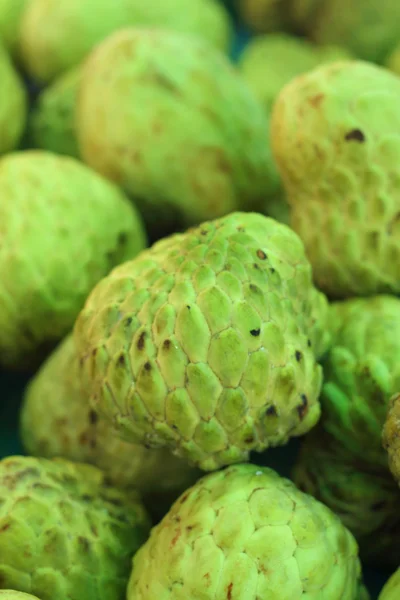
[199, 300]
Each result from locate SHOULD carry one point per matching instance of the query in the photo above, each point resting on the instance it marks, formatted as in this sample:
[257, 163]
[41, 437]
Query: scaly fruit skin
[65, 533]
[13, 104]
[207, 342]
[52, 122]
[56, 420]
[56, 35]
[12, 595]
[169, 119]
[366, 501]
[263, 15]
[361, 373]
[391, 436]
[336, 139]
[370, 29]
[391, 591]
[11, 12]
[246, 533]
[63, 228]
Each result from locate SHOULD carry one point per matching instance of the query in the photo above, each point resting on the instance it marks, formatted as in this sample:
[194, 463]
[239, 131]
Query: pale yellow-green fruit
[13, 104]
[11, 13]
[391, 591]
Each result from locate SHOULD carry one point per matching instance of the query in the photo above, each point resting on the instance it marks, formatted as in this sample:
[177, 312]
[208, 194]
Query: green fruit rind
[12, 595]
[246, 533]
[65, 533]
[13, 104]
[391, 436]
[11, 12]
[391, 590]
[206, 343]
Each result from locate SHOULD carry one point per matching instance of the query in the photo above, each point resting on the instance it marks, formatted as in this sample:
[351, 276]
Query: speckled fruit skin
[56, 420]
[391, 436]
[366, 501]
[207, 342]
[57, 35]
[13, 104]
[263, 15]
[62, 229]
[65, 533]
[11, 12]
[12, 595]
[52, 121]
[245, 533]
[168, 118]
[391, 591]
[336, 139]
[361, 373]
[369, 28]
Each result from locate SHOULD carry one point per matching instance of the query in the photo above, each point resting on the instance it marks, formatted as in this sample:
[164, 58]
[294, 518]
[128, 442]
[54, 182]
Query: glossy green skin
[52, 121]
[65, 533]
[366, 501]
[11, 12]
[56, 35]
[63, 229]
[336, 139]
[13, 105]
[12, 595]
[56, 420]
[169, 118]
[246, 533]
[391, 591]
[361, 373]
[207, 342]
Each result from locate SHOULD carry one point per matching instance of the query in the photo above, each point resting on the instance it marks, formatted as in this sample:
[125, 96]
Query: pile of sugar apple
[200, 262]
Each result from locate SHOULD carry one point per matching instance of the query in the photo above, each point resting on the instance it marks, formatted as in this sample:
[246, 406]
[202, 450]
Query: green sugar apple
[245, 533]
[391, 590]
[52, 121]
[336, 139]
[13, 104]
[207, 343]
[12, 595]
[361, 373]
[65, 533]
[366, 501]
[57, 35]
[391, 436]
[57, 421]
[11, 12]
[169, 119]
[263, 15]
[62, 228]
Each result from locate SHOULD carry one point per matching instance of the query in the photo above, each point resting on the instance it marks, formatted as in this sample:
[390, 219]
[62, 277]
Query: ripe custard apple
[336, 138]
[263, 15]
[57, 35]
[13, 104]
[169, 119]
[207, 343]
[245, 533]
[391, 591]
[63, 227]
[65, 533]
[12, 595]
[368, 28]
[56, 420]
[52, 121]
[11, 12]
[366, 501]
[361, 373]
[391, 436]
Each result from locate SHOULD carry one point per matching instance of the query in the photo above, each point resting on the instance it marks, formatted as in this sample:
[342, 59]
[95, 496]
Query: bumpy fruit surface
[369, 28]
[11, 12]
[65, 533]
[168, 118]
[13, 104]
[366, 501]
[391, 436]
[57, 35]
[63, 228]
[391, 591]
[336, 138]
[207, 342]
[246, 533]
[361, 373]
[52, 122]
[12, 595]
[263, 15]
[56, 420]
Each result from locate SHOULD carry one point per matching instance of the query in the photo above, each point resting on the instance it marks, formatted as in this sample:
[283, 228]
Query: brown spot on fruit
[121, 360]
[271, 411]
[5, 527]
[316, 100]
[93, 417]
[147, 366]
[255, 332]
[355, 135]
[302, 408]
[229, 592]
[298, 355]
[175, 538]
[167, 344]
[261, 254]
[141, 340]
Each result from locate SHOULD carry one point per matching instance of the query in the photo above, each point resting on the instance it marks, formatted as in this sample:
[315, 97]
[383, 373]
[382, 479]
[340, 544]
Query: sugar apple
[391, 590]
[263, 15]
[336, 139]
[366, 501]
[65, 533]
[207, 343]
[168, 118]
[56, 420]
[391, 436]
[52, 121]
[57, 35]
[63, 228]
[11, 12]
[242, 534]
[13, 104]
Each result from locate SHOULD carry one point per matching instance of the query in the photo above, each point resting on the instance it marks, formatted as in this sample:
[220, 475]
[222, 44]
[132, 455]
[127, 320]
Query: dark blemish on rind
[93, 417]
[84, 543]
[249, 440]
[5, 527]
[298, 355]
[141, 340]
[203, 232]
[184, 498]
[316, 100]
[122, 238]
[271, 411]
[147, 366]
[272, 270]
[121, 360]
[188, 307]
[229, 594]
[261, 255]
[309, 343]
[128, 321]
[241, 229]
[302, 408]
[254, 288]
[255, 265]
[255, 332]
[167, 344]
[355, 135]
